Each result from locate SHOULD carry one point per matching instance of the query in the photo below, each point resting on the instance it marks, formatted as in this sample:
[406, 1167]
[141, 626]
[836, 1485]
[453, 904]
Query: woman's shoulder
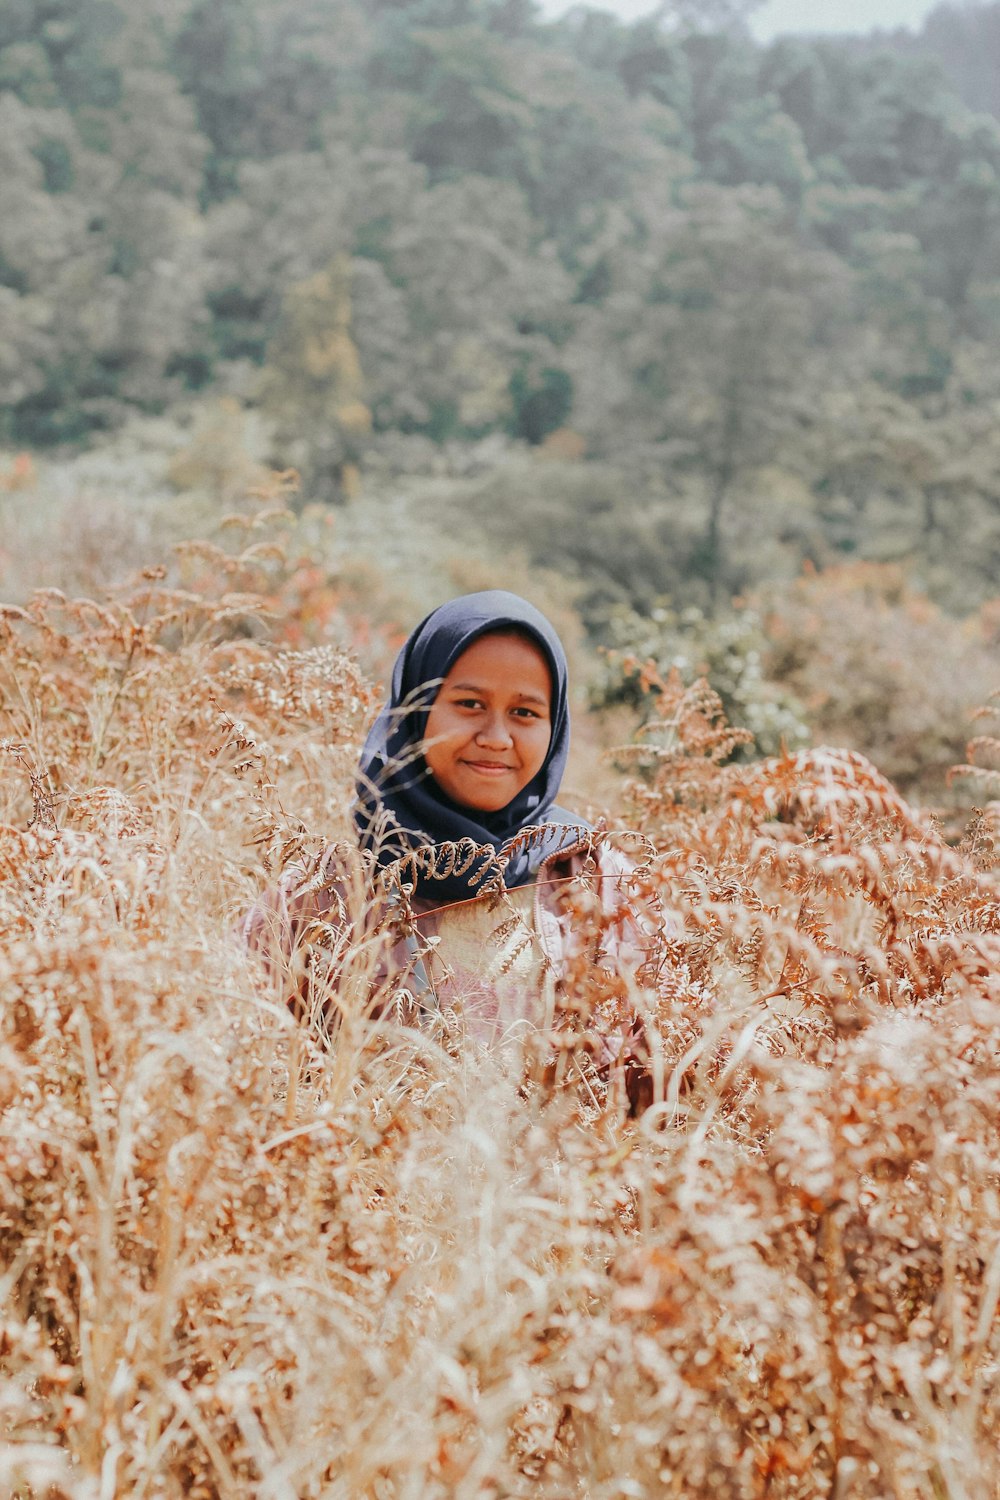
[587, 869]
[596, 875]
[591, 855]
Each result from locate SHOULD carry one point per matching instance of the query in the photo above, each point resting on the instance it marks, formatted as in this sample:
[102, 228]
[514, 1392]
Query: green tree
[482, 299]
[962, 39]
[738, 329]
[313, 382]
[541, 405]
[263, 75]
[895, 483]
[54, 277]
[585, 149]
[469, 114]
[759, 143]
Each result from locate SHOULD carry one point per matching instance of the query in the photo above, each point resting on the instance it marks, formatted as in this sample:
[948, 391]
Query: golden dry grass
[239, 1262]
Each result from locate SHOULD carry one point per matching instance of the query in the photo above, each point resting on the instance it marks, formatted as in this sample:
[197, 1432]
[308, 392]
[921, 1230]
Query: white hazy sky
[778, 16]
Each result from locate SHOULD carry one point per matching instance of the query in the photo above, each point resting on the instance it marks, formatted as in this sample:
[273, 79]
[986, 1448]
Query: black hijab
[400, 806]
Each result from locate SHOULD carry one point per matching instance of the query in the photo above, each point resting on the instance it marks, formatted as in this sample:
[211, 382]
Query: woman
[470, 883]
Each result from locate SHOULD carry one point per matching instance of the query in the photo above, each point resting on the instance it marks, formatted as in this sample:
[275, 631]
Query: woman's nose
[495, 733]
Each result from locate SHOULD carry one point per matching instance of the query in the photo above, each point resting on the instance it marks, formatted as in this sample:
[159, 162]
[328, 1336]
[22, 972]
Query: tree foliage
[693, 252]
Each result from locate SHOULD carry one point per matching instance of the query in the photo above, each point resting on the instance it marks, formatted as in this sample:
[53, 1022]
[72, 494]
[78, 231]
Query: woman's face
[489, 727]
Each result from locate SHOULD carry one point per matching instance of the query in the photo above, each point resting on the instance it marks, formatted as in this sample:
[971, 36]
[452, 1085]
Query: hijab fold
[401, 808]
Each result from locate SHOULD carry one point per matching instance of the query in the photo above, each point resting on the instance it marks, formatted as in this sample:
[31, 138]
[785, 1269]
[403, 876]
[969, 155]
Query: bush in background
[881, 668]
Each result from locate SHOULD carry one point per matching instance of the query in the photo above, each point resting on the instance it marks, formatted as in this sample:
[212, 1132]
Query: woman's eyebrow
[475, 687]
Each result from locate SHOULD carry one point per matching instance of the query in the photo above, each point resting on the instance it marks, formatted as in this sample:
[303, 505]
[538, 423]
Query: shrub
[730, 650]
[881, 668]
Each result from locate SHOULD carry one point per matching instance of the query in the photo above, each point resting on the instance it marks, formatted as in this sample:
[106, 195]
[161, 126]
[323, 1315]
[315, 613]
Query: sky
[776, 17]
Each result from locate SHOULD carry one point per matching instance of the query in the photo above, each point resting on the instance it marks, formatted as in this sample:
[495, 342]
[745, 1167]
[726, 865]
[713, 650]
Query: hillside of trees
[744, 300]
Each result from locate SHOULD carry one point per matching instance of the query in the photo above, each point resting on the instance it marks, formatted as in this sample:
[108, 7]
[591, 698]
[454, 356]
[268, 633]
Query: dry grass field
[239, 1260]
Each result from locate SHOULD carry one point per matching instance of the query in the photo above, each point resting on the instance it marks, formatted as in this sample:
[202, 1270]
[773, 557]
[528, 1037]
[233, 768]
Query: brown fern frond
[459, 858]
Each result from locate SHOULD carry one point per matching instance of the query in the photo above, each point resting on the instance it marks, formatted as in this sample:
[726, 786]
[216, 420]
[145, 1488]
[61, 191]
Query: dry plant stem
[833, 1277]
[136, 629]
[43, 807]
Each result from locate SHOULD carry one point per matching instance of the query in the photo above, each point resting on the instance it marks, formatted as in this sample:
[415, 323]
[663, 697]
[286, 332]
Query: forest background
[702, 329]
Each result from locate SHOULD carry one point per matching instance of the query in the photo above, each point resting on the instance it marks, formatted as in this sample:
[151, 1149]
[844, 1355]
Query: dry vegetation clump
[239, 1260]
[881, 668]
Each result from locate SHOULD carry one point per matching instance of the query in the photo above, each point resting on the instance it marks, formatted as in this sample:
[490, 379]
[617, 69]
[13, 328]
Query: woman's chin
[482, 792]
[485, 804]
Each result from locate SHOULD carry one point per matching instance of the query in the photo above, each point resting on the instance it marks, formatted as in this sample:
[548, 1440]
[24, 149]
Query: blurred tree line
[758, 288]
[963, 39]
